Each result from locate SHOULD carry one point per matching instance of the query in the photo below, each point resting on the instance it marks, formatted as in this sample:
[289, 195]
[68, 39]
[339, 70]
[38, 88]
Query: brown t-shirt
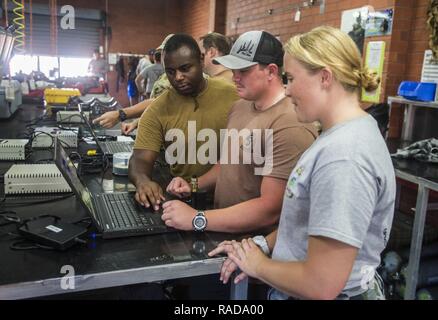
[241, 182]
[172, 112]
[225, 74]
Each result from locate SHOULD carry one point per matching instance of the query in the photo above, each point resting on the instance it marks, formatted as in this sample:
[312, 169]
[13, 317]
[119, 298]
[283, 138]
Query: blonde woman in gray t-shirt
[339, 201]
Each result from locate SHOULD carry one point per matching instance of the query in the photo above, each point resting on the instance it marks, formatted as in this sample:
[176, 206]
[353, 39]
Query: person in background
[98, 67]
[215, 45]
[146, 79]
[339, 201]
[121, 75]
[132, 88]
[146, 61]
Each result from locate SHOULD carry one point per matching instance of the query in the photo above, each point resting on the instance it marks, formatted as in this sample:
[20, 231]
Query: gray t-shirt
[343, 187]
[143, 63]
[151, 74]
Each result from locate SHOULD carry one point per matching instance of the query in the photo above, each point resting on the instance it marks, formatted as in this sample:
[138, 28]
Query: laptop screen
[90, 128]
[68, 170]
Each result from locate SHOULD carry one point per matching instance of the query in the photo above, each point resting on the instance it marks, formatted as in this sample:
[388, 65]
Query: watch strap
[122, 115]
[261, 242]
[199, 214]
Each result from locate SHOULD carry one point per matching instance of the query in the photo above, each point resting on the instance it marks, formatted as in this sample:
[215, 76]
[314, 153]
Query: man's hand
[128, 127]
[108, 119]
[149, 194]
[228, 267]
[179, 187]
[178, 215]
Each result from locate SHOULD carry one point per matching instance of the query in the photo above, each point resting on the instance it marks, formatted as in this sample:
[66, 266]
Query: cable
[30, 28]
[37, 202]
[36, 133]
[30, 245]
[65, 120]
[6, 215]
[78, 240]
[19, 22]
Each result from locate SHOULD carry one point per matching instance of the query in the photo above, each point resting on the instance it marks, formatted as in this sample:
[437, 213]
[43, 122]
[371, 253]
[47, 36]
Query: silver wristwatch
[199, 221]
[261, 242]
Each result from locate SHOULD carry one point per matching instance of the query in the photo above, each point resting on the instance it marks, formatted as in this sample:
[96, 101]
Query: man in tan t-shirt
[215, 45]
[174, 120]
[249, 194]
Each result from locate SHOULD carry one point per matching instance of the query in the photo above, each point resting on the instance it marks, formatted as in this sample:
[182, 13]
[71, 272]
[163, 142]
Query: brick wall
[195, 17]
[248, 15]
[404, 48]
[137, 26]
[418, 41]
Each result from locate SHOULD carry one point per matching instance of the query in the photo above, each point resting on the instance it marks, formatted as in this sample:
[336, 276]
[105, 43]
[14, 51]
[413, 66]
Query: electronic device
[114, 214]
[199, 222]
[63, 116]
[44, 137]
[13, 149]
[35, 178]
[108, 147]
[51, 232]
[11, 97]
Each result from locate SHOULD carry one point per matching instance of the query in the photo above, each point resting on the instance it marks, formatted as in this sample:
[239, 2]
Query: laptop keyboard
[117, 146]
[123, 212]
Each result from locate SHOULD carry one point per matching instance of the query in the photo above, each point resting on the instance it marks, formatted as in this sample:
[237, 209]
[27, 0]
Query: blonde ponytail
[330, 47]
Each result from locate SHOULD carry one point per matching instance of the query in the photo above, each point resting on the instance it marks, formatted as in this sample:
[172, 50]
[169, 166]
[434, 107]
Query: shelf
[402, 100]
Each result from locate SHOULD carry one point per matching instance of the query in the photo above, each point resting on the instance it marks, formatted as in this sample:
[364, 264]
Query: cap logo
[246, 49]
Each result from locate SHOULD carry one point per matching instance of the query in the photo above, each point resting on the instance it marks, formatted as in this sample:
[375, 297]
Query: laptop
[107, 147]
[115, 215]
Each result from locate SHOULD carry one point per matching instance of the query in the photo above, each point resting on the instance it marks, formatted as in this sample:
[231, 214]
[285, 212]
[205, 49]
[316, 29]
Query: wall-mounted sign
[353, 23]
[379, 23]
[374, 60]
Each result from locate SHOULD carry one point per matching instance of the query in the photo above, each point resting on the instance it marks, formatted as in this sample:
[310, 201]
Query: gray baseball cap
[251, 48]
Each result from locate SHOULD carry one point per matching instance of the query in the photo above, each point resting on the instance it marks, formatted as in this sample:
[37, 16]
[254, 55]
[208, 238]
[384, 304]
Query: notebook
[107, 147]
[115, 215]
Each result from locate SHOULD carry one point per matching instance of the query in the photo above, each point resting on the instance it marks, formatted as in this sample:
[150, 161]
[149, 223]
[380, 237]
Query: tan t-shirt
[225, 74]
[240, 182]
[170, 110]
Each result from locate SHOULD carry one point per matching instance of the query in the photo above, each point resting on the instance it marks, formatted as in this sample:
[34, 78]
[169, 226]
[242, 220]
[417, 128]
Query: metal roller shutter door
[78, 42]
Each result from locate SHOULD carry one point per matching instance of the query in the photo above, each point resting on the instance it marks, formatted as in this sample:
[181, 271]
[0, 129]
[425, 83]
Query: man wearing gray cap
[248, 196]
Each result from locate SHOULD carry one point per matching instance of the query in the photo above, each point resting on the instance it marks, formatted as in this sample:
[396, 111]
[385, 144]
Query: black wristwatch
[122, 115]
[199, 222]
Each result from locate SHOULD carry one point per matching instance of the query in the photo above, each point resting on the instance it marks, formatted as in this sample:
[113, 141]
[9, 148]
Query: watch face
[199, 223]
